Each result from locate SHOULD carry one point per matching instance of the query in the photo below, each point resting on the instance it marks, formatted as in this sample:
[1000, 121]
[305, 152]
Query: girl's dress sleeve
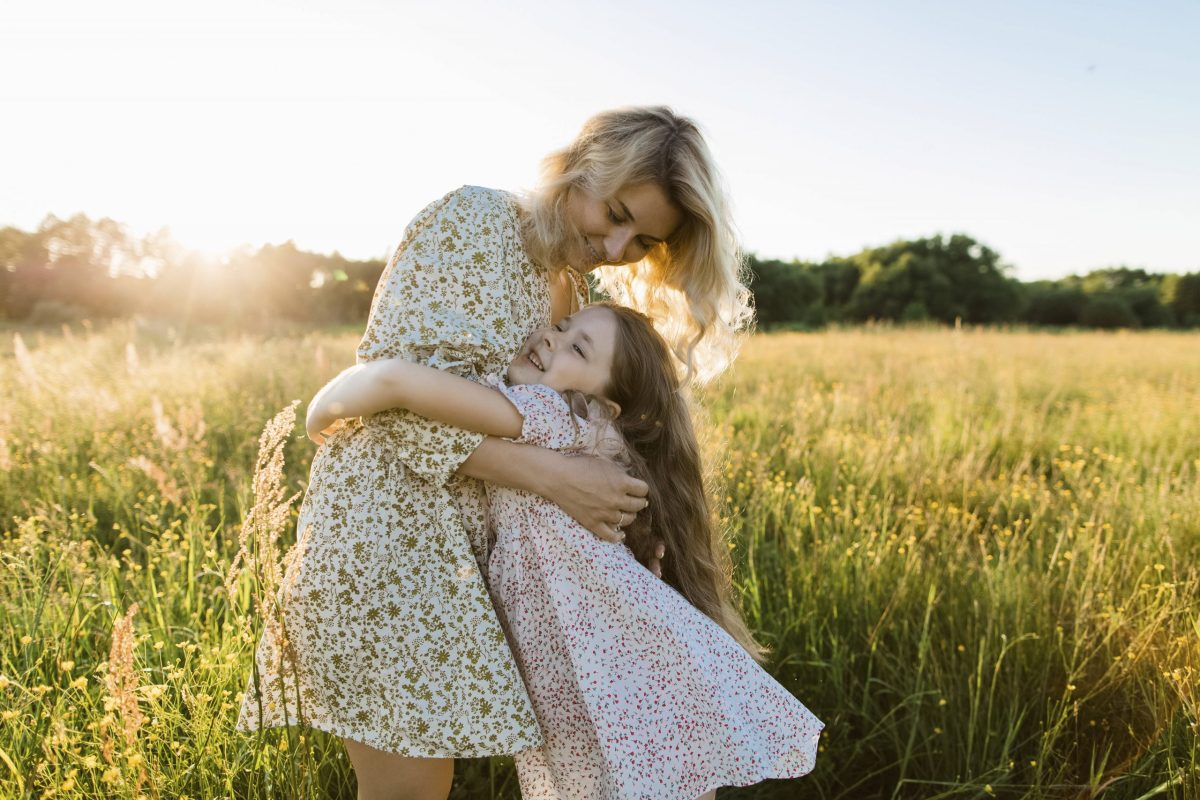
[443, 301]
[547, 418]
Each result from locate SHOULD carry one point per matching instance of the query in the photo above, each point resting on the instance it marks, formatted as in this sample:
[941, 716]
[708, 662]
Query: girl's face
[576, 354]
[620, 229]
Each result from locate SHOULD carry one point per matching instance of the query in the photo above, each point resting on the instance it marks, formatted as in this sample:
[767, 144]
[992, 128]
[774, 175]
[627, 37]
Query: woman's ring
[621, 522]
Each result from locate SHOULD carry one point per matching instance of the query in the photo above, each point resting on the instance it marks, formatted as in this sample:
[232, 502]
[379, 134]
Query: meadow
[972, 553]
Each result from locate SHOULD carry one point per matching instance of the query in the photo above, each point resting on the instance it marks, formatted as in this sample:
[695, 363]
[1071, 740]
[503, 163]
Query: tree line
[956, 279]
[79, 268]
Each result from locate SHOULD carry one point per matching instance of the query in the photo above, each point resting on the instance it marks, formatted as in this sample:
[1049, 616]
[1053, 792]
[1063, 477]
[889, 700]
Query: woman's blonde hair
[692, 286]
[660, 446]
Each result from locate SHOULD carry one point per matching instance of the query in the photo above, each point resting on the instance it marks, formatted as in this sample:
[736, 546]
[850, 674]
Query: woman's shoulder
[468, 213]
[481, 202]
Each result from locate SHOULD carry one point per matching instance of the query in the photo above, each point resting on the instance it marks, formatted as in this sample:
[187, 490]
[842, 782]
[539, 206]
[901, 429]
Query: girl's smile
[574, 355]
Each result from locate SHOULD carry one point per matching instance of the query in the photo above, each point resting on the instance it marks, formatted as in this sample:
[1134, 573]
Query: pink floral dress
[638, 693]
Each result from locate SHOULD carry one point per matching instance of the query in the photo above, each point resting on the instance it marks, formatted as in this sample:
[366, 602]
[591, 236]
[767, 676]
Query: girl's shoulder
[573, 423]
[547, 418]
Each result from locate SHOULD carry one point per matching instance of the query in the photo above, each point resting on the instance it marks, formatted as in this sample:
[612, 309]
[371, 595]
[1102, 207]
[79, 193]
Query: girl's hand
[598, 494]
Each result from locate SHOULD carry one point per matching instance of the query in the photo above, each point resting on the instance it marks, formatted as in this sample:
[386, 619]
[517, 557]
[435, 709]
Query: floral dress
[391, 636]
[639, 694]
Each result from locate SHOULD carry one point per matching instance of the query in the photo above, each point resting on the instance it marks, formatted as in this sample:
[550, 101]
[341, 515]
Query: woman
[392, 641]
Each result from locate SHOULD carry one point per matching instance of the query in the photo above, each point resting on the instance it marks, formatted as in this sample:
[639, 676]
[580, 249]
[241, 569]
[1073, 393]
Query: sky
[1065, 135]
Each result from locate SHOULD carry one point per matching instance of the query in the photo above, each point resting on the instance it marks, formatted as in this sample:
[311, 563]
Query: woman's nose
[616, 243]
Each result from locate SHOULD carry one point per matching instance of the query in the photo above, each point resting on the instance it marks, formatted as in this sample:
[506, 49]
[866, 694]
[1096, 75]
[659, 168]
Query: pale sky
[1065, 135]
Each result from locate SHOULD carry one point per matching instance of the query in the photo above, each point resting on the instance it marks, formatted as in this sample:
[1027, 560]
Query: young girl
[642, 690]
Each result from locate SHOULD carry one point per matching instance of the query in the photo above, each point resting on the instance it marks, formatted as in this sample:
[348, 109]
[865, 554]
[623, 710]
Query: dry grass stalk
[258, 540]
[167, 486]
[163, 429]
[25, 362]
[121, 682]
[121, 686]
[133, 364]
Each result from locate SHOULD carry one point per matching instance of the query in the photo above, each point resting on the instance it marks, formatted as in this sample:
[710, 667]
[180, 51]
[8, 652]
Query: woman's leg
[388, 776]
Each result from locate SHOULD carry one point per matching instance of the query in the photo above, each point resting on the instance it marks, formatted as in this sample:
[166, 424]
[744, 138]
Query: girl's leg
[388, 776]
[708, 795]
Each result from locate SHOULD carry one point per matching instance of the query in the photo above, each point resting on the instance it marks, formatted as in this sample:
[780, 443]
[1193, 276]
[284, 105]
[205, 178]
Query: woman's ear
[613, 408]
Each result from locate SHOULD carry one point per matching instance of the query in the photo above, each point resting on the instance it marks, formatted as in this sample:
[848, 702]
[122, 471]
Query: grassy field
[972, 553]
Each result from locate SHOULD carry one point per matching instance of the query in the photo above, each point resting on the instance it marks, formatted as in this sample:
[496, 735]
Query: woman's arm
[444, 301]
[595, 492]
[395, 383]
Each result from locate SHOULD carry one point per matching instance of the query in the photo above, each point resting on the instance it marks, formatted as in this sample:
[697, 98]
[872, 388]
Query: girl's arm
[594, 491]
[395, 383]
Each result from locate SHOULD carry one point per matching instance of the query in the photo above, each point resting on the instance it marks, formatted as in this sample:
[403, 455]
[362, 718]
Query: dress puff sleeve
[443, 301]
[547, 419]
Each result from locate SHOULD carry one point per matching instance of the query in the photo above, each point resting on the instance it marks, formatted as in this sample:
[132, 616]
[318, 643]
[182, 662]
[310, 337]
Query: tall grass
[972, 554]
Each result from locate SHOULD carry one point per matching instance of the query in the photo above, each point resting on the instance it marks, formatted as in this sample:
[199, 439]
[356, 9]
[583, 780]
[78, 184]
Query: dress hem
[345, 732]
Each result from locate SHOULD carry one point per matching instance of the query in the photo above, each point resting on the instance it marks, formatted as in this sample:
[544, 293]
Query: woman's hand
[598, 494]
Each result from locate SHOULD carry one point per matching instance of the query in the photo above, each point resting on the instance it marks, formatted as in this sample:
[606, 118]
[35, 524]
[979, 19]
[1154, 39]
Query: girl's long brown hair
[656, 424]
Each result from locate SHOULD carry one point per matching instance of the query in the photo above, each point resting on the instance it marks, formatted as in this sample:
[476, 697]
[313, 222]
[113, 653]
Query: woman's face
[620, 229]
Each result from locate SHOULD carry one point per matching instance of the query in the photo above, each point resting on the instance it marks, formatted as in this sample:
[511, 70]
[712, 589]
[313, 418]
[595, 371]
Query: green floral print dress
[390, 636]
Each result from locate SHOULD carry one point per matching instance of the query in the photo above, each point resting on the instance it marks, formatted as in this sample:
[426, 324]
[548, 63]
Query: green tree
[1183, 298]
[1050, 303]
[782, 291]
[949, 278]
[1108, 310]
